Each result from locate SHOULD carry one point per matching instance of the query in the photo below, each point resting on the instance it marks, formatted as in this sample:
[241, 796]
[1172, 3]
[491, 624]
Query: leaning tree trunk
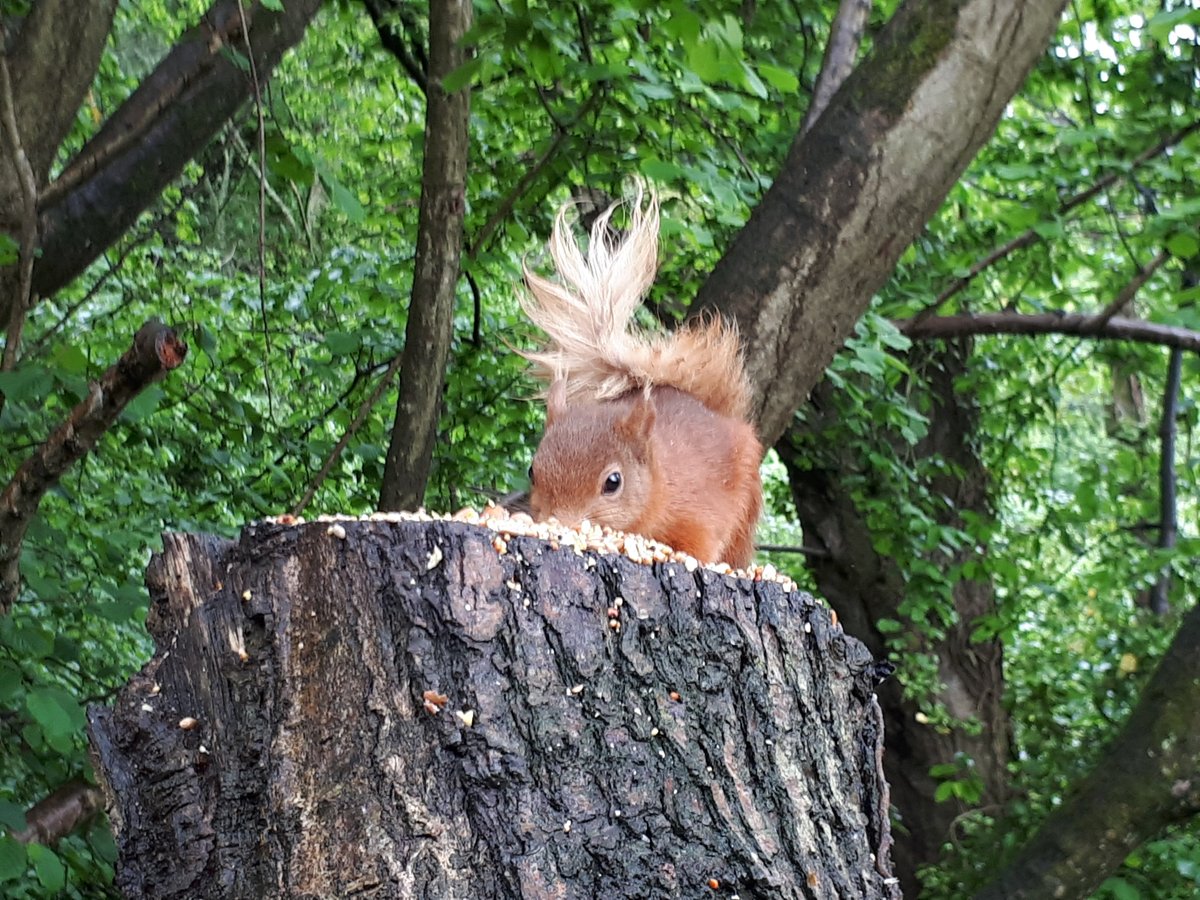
[400, 708]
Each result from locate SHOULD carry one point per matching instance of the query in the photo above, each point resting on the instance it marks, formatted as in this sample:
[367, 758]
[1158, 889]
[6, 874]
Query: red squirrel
[644, 433]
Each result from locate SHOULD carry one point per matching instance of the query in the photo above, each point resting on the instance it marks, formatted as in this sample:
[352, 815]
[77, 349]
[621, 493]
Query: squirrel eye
[531, 475]
[612, 483]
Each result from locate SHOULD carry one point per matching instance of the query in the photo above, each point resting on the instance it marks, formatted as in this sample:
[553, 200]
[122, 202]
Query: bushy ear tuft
[637, 424]
[556, 400]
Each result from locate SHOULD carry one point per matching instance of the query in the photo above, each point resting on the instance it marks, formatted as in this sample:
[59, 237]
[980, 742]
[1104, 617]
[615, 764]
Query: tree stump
[397, 709]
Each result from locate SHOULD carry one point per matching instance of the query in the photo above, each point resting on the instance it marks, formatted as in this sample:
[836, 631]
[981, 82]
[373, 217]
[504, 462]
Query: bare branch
[359, 417]
[1168, 522]
[845, 36]
[55, 816]
[156, 350]
[397, 44]
[1087, 326]
[1129, 291]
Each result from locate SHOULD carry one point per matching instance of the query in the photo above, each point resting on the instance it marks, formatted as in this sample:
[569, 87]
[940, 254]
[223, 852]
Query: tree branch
[119, 177]
[156, 350]
[1031, 236]
[430, 325]
[1167, 528]
[54, 60]
[846, 203]
[845, 36]
[506, 205]
[364, 408]
[55, 816]
[397, 44]
[1088, 326]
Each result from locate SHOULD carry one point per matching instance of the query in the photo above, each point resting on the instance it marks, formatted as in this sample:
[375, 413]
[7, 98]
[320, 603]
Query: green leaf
[25, 384]
[143, 404]
[345, 201]
[11, 682]
[10, 250]
[70, 359]
[944, 792]
[462, 76]
[1183, 244]
[658, 170]
[782, 80]
[274, 5]
[1161, 26]
[55, 710]
[13, 859]
[12, 815]
[341, 343]
[48, 867]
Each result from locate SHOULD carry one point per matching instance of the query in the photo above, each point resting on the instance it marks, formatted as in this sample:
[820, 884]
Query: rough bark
[859, 186]
[1147, 779]
[439, 248]
[144, 146]
[53, 61]
[288, 738]
[155, 351]
[864, 587]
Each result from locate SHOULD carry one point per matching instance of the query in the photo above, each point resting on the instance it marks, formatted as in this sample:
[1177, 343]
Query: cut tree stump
[386, 709]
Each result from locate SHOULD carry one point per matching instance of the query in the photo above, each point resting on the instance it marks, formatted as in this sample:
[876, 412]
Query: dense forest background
[994, 483]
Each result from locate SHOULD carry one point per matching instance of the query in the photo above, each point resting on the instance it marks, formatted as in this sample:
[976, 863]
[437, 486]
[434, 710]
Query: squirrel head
[595, 461]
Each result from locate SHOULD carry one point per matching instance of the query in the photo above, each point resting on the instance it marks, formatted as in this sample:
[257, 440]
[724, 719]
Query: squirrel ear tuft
[556, 400]
[635, 426]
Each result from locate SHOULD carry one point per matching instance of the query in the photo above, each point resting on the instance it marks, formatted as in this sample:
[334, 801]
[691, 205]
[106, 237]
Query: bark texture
[398, 710]
[865, 586]
[439, 248]
[1146, 780]
[859, 186]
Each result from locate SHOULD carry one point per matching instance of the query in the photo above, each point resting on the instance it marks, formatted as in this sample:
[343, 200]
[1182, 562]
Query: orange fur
[663, 415]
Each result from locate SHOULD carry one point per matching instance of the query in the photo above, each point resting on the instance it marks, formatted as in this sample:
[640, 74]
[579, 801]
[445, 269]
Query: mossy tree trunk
[401, 709]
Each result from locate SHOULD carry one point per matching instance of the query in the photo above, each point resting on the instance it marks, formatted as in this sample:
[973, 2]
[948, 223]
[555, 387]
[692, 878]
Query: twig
[810, 552]
[1127, 293]
[156, 350]
[397, 45]
[262, 209]
[1031, 236]
[240, 146]
[1168, 523]
[507, 204]
[359, 417]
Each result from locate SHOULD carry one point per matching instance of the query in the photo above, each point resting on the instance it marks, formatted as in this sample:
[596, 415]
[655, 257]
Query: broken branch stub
[427, 709]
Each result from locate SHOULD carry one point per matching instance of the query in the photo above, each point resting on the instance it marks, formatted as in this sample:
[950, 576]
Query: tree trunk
[860, 185]
[439, 248]
[406, 709]
[865, 586]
